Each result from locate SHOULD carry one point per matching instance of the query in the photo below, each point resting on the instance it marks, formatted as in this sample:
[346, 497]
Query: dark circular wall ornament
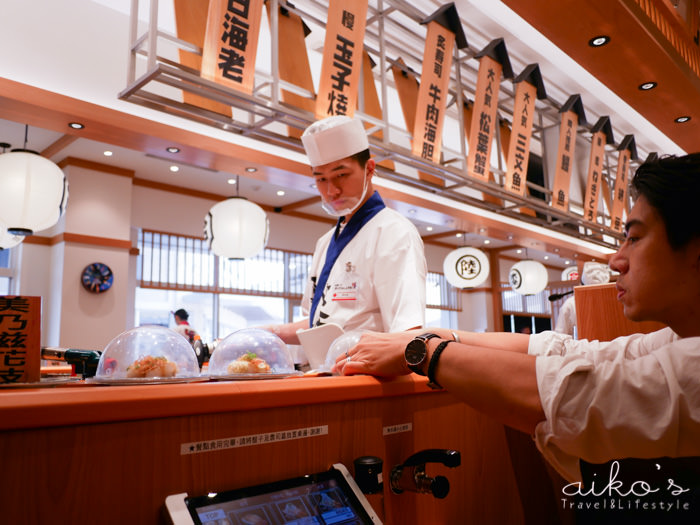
[97, 277]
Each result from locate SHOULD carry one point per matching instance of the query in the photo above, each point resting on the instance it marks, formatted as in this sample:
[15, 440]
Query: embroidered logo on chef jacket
[348, 287]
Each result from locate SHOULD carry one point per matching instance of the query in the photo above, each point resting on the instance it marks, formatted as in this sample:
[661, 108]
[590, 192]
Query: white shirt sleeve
[636, 396]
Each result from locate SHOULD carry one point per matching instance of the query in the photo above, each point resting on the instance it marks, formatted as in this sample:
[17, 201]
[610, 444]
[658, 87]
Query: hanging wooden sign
[602, 134]
[529, 86]
[342, 58]
[444, 29]
[20, 339]
[571, 116]
[494, 63]
[628, 151]
[231, 43]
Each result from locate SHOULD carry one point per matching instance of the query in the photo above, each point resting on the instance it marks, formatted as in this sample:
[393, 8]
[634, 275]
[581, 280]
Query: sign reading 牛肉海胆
[342, 58]
[20, 339]
[231, 43]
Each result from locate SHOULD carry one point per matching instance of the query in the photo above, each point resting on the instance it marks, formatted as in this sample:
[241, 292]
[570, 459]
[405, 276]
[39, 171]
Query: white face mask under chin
[351, 205]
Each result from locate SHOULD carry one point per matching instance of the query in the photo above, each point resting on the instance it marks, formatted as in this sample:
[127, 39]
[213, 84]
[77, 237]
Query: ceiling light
[458, 234]
[598, 41]
[482, 230]
[108, 153]
[684, 118]
[231, 181]
[280, 193]
[312, 186]
[556, 250]
[429, 228]
[647, 86]
[509, 237]
[411, 211]
[518, 251]
[546, 257]
[172, 149]
[487, 241]
[76, 125]
[567, 262]
[174, 169]
[251, 169]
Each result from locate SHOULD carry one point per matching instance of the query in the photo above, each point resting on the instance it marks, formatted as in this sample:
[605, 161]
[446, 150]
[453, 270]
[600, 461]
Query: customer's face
[655, 282]
[341, 182]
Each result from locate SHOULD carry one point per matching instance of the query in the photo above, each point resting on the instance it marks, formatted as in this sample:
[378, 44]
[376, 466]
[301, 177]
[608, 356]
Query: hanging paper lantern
[528, 277]
[33, 192]
[8, 240]
[236, 228]
[466, 267]
[570, 273]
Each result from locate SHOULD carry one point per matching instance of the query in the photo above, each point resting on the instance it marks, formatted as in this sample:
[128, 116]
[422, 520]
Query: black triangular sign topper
[497, 50]
[605, 126]
[629, 143]
[575, 104]
[448, 18]
[531, 74]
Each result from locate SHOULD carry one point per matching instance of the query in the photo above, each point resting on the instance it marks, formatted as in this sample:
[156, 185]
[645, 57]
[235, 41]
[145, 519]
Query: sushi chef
[368, 272]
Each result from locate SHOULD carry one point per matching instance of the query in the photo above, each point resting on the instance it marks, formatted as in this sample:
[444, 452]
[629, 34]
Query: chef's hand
[377, 354]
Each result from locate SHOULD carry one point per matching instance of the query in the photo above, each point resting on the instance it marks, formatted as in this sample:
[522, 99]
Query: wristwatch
[416, 353]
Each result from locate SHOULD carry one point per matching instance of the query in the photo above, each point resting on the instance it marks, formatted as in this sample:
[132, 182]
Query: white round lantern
[528, 277]
[33, 192]
[466, 267]
[236, 228]
[570, 273]
[8, 240]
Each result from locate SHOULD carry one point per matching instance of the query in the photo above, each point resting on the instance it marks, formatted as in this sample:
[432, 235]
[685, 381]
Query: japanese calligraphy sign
[494, 63]
[342, 58]
[571, 116]
[231, 43]
[601, 135]
[20, 331]
[433, 92]
[627, 152]
[521, 132]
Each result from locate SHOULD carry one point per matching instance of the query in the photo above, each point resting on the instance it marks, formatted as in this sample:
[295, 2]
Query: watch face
[97, 277]
[415, 352]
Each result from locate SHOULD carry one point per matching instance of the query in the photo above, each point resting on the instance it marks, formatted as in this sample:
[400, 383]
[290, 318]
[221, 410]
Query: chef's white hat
[595, 273]
[334, 138]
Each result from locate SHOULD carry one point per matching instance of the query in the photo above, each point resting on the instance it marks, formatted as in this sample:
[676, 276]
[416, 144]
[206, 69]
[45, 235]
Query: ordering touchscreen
[323, 498]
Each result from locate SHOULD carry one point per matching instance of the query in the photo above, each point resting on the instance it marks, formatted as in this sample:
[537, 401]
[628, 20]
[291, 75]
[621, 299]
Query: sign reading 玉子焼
[444, 29]
[231, 43]
[20, 333]
[628, 151]
[342, 58]
[494, 63]
[602, 135]
[571, 116]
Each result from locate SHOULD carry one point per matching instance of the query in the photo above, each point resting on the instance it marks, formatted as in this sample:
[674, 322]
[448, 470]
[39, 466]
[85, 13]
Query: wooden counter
[111, 454]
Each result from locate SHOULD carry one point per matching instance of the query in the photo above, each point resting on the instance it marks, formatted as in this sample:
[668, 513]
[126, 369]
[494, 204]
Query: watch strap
[432, 383]
[426, 337]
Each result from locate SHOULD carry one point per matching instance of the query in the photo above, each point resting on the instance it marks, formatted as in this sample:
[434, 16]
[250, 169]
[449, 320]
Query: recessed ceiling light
[174, 168]
[509, 237]
[429, 228]
[482, 230]
[576, 256]
[458, 234]
[546, 257]
[251, 169]
[231, 181]
[411, 211]
[76, 125]
[567, 262]
[684, 118]
[518, 251]
[172, 149]
[598, 41]
[280, 193]
[556, 250]
[487, 241]
[108, 153]
[312, 186]
[647, 86]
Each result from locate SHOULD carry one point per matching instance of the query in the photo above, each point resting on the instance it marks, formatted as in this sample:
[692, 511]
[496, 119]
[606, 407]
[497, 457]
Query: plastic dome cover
[148, 352]
[251, 351]
[339, 346]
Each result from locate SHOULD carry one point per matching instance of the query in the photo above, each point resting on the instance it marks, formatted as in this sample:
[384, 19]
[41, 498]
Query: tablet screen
[324, 498]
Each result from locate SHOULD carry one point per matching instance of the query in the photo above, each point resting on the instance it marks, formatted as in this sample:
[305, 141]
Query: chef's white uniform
[378, 281]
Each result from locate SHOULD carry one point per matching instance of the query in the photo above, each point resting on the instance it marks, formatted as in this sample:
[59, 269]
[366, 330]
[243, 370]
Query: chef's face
[341, 183]
[656, 282]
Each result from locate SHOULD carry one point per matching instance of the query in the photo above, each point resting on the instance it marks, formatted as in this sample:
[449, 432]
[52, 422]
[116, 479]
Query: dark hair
[362, 157]
[671, 185]
[182, 314]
